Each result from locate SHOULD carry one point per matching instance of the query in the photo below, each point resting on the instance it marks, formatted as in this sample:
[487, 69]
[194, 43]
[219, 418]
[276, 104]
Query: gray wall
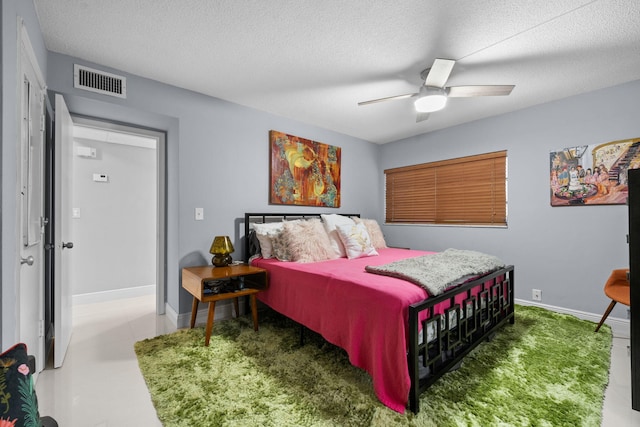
[115, 235]
[567, 252]
[11, 9]
[217, 159]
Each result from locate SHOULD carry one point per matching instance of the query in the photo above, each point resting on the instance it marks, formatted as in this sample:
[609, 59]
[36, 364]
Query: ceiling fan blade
[421, 117]
[389, 98]
[439, 72]
[486, 90]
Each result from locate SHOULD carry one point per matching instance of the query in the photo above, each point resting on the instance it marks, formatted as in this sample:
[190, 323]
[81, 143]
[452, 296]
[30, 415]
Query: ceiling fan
[433, 94]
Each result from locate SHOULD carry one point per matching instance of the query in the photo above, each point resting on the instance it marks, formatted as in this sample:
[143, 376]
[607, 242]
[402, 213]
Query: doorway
[117, 212]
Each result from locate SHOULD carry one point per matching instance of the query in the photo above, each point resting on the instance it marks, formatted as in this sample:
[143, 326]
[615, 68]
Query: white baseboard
[93, 297]
[171, 315]
[620, 327]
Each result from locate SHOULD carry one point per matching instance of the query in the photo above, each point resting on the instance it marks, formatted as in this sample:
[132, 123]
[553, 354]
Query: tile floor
[100, 384]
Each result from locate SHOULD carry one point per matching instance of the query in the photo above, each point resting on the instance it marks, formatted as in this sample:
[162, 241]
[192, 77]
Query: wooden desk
[195, 280]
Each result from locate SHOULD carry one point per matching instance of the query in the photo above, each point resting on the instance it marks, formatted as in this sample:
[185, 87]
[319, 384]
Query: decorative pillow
[265, 233]
[18, 402]
[331, 221]
[373, 228]
[280, 247]
[308, 241]
[356, 240]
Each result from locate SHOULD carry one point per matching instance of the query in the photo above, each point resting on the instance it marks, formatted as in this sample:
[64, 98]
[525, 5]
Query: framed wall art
[593, 174]
[303, 172]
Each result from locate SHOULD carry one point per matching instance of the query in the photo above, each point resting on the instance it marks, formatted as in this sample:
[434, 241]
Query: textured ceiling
[313, 61]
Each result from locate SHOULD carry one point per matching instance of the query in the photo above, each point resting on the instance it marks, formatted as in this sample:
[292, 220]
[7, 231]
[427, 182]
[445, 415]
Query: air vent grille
[99, 81]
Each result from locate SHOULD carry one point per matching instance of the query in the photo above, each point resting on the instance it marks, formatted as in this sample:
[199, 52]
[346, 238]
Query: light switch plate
[199, 214]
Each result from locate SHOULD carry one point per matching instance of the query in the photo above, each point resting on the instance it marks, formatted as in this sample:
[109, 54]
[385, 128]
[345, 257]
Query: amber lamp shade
[220, 249]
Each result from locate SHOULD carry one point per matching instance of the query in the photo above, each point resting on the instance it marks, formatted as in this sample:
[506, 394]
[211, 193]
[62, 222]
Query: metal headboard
[251, 242]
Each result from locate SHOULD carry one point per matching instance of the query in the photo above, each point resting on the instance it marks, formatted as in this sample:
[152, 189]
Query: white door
[30, 168]
[63, 149]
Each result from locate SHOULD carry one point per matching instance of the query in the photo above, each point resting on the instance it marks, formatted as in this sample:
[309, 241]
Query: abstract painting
[303, 172]
[593, 174]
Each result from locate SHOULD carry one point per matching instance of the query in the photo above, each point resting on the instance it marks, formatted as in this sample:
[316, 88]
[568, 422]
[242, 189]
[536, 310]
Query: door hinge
[42, 123]
[41, 328]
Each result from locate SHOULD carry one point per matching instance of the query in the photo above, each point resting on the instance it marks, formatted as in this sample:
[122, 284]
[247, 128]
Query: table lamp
[220, 249]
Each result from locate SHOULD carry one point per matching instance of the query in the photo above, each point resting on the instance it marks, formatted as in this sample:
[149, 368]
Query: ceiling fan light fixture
[430, 99]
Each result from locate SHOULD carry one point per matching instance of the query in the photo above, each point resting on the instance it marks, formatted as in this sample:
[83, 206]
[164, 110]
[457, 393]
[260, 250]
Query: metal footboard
[439, 342]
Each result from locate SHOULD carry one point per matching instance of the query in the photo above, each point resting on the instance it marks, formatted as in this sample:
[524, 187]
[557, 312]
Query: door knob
[67, 245]
[28, 260]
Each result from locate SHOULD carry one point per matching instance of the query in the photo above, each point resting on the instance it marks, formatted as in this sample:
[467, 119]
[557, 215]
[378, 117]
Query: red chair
[618, 289]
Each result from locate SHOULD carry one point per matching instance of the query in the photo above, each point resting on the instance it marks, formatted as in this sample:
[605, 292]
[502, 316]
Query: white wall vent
[99, 81]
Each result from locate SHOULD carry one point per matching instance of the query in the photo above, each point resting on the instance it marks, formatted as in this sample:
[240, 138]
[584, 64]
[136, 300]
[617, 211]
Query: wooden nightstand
[197, 281]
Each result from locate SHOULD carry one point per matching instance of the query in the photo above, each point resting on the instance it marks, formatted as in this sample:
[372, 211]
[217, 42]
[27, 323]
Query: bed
[405, 338]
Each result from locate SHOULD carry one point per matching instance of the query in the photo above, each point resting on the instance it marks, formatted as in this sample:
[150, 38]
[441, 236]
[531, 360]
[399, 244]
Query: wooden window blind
[465, 191]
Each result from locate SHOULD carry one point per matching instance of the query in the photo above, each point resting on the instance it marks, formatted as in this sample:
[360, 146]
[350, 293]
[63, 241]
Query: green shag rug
[547, 369]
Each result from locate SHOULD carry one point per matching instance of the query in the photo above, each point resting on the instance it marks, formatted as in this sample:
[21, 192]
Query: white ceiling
[314, 60]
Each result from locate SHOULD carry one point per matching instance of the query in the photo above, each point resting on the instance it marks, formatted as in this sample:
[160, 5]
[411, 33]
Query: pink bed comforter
[363, 313]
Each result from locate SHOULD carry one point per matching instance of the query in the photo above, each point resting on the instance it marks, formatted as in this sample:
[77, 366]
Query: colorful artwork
[593, 174]
[303, 172]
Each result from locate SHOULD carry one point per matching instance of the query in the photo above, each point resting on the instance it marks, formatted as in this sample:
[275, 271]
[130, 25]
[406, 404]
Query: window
[465, 191]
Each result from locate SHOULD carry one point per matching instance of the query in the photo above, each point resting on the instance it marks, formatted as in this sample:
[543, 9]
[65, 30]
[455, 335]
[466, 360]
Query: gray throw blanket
[439, 271]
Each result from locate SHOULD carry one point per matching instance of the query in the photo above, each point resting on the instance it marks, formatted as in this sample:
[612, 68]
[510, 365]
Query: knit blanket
[438, 272]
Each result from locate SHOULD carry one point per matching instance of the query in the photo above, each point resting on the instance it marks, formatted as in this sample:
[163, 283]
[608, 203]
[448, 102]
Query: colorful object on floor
[18, 402]
[553, 372]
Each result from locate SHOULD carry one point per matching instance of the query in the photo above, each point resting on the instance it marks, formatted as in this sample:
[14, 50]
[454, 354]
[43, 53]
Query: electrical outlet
[536, 294]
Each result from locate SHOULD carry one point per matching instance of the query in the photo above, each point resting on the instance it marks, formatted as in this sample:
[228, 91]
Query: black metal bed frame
[445, 339]
[440, 342]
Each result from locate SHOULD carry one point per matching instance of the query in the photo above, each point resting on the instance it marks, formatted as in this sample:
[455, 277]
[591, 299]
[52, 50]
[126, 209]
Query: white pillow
[373, 228]
[356, 240]
[331, 221]
[265, 233]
